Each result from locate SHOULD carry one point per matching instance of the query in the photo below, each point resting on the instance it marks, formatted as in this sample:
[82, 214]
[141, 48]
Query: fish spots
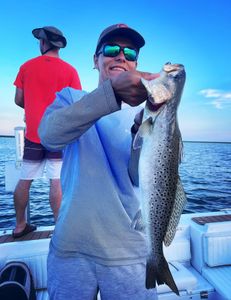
[158, 172]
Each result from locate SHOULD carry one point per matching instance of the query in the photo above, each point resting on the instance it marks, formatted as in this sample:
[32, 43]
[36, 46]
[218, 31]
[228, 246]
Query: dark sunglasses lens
[130, 54]
[114, 50]
[111, 50]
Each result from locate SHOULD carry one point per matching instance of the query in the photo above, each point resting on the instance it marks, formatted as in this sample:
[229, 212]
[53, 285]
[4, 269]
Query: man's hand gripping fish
[163, 197]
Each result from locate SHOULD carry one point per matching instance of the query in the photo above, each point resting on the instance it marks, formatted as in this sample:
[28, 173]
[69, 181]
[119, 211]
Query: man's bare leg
[21, 198]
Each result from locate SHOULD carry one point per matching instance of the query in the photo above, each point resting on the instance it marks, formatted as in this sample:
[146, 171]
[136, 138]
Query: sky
[195, 33]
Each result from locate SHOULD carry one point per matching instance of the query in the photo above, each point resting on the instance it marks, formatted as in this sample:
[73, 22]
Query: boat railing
[13, 168]
[19, 133]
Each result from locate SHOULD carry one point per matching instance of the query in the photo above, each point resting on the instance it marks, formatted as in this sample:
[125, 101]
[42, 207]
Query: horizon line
[184, 141]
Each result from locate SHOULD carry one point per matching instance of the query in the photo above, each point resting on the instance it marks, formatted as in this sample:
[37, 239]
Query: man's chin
[115, 73]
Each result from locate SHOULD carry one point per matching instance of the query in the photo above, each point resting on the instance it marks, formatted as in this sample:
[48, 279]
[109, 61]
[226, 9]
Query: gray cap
[120, 30]
[50, 34]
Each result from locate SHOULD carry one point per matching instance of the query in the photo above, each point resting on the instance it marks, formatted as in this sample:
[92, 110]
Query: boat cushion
[220, 278]
[217, 244]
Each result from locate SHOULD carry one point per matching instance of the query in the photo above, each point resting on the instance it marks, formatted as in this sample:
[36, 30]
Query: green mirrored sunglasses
[113, 50]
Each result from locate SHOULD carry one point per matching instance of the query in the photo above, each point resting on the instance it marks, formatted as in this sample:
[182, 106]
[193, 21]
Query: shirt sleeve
[73, 112]
[19, 79]
[75, 83]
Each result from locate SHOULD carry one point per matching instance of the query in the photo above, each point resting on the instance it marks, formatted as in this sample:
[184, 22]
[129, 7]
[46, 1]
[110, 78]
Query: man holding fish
[99, 242]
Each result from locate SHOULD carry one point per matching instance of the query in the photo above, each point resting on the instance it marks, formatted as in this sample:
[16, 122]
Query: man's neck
[52, 53]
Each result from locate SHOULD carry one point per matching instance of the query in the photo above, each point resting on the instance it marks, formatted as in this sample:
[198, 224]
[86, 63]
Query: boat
[199, 256]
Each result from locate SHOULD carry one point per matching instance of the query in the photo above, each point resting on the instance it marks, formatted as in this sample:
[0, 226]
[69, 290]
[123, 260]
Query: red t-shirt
[40, 78]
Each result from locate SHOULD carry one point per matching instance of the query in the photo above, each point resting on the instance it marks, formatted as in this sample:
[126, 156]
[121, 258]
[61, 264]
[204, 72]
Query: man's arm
[73, 112]
[69, 116]
[19, 97]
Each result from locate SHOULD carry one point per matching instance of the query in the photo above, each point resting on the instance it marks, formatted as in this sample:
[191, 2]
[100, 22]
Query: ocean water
[205, 172]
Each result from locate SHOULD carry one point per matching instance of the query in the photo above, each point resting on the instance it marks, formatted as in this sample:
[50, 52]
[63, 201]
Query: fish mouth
[175, 70]
[169, 67]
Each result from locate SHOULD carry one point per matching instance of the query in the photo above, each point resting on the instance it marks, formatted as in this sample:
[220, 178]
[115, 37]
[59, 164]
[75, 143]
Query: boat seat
[217, 244]
[34, 254]
[211, 244]
[217, 257]
[211, 254]
[220, 278]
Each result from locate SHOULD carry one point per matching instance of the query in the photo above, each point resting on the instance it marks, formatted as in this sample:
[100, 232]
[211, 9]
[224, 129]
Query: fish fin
[178, 207]
[175, 127]
[144, 129]
[163, 276]
[181, 145]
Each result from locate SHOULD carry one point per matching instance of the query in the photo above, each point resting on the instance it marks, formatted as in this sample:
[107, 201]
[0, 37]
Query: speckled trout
[163, 197]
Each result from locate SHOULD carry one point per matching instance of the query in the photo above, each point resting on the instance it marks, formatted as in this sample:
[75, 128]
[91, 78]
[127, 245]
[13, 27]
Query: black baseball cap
[120, 30]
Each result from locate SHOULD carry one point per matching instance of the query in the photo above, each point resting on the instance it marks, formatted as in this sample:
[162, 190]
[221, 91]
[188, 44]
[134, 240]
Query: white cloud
[220, 98]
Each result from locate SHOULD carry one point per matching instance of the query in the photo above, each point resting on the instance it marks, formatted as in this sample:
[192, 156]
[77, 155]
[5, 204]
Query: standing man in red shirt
[36, 84]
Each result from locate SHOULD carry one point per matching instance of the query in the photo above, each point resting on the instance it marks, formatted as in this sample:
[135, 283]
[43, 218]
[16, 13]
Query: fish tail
[168, 279]
[164, 276]
[151, 275]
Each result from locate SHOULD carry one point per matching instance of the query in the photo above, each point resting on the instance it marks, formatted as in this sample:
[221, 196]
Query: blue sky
[196, 33]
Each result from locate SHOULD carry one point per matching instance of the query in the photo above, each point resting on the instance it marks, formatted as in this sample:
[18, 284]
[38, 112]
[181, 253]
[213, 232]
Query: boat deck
[45, 234]
[35, 235]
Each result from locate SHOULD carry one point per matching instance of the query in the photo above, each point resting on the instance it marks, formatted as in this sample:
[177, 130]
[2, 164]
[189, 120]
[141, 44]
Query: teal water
[205, 172]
